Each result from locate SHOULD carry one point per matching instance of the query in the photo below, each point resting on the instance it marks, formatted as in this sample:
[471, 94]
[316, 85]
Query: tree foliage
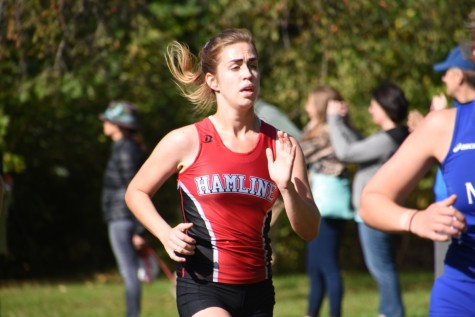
[62, 62]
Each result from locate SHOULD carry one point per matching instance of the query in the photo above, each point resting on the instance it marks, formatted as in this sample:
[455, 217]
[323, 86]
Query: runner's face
[452, 79]
[237, 77]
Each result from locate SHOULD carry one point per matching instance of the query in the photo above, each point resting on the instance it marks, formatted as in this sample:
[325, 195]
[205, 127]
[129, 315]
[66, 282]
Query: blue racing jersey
[458, 170]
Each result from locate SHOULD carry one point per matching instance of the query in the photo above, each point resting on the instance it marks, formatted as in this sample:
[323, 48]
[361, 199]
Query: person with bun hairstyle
[230, 168]
[445, 137]
[388, 108]
[126, 234]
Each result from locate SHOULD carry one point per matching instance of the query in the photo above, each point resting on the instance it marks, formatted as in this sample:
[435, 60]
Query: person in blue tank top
[439, 189]
[446, 137]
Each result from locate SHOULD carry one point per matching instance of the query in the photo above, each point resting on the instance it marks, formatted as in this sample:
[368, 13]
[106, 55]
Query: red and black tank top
[228, 197]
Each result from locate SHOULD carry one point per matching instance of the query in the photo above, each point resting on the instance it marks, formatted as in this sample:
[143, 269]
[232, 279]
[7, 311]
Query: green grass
[103, 297]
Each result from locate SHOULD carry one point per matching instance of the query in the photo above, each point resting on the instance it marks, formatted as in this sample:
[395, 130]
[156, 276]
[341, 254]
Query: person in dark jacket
[125, 232]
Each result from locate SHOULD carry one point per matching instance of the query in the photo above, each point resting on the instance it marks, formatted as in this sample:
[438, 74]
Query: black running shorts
[249, 300]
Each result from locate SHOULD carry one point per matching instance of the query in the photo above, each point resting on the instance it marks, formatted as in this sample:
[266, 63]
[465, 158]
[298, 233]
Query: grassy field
[102, 297]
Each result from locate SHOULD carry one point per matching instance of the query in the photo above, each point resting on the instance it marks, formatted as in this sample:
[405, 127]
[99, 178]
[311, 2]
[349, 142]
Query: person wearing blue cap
[446, 137]
[126, 234]
[457, 59]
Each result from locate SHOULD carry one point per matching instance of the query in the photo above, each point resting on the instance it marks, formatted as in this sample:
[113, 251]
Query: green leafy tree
[61, 62]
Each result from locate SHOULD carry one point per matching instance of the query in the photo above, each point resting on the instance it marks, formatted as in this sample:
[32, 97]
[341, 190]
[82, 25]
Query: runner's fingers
[187, 249]
[436, 236]
[448, 227]
[453, 222]
[186, 246]
[177, 258]
[459, 220]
